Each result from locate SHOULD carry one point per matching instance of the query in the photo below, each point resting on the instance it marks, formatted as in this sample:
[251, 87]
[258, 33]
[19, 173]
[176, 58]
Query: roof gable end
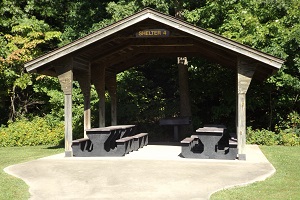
[170, 21]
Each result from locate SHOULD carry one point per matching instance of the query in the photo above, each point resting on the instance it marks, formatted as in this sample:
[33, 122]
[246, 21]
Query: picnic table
[175, 122]
[210, 142]
[109, 141]
[209, 136]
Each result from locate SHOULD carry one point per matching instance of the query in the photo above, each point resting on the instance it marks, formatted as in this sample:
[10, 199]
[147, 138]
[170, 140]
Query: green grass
[13, 188]
[284, 184]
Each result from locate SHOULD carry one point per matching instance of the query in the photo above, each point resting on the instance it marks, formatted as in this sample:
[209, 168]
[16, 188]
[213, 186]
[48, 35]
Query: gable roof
[117, 47]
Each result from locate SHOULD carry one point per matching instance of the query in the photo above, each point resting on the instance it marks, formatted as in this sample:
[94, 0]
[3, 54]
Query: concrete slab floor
[153, 172]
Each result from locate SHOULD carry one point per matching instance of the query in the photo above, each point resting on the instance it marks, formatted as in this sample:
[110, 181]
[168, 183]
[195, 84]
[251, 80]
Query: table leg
[176, 133]
[209, 144]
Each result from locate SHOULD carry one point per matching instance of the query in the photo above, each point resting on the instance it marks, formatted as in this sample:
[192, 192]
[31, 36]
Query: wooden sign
[150, 33]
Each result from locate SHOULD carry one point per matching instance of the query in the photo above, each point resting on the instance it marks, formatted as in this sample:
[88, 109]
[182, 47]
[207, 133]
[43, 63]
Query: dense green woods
[31, 28]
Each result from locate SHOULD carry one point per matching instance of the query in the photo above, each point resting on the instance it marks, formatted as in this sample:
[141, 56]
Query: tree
[30, 28]
[27, 40]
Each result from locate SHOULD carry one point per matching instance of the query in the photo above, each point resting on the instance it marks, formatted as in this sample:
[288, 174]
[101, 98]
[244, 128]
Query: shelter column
[185, 104]
[245, 71]
[112, 89]
[98, 77]
[65, 76]
[84, 80]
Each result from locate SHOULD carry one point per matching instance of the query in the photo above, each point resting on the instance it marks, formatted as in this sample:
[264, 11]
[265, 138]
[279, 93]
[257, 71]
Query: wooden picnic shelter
[98, 57]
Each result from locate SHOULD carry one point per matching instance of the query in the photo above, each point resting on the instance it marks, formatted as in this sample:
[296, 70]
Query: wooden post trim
[65, 76]
[245, 71]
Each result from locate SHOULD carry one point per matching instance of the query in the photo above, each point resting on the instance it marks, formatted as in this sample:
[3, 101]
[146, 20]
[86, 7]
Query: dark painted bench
[125, 145]
[81, 146]
[132, 143]
[187, 146]
[140, 140]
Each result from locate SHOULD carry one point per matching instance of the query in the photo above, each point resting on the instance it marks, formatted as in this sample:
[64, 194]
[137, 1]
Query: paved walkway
[153, 172]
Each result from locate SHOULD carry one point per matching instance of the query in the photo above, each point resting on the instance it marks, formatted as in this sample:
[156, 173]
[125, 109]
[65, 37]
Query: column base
[68, 154]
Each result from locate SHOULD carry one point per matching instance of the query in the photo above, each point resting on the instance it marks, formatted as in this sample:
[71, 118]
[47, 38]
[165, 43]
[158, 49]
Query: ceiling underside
[123, 50]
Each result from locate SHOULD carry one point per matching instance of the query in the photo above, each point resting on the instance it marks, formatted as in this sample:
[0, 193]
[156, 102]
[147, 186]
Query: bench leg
[127, 146]
[186, 150]
[121, 148]
[145, 140]
[131, 145]
[136, 144]
[76, 149]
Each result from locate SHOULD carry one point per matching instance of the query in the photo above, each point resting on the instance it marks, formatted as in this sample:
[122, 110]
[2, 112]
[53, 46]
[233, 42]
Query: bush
[31, 133]
[289, 130]
[262, 137]
[289, 139]
[285, 137]
[290, 125]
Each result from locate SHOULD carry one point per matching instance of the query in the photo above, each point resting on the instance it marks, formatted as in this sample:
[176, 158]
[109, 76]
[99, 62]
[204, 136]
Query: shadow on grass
[55, 147]
[61, 145]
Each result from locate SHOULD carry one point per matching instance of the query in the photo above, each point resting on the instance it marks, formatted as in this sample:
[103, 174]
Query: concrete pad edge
[258, 179]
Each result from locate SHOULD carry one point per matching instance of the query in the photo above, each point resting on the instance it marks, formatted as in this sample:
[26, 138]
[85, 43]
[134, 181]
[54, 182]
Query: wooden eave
[117, 48]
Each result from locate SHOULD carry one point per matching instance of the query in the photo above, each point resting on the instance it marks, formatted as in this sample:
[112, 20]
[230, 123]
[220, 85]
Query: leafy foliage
[266, 137]
[262, 137]
[29, 37]
[148, 94]
[150, 91]
[31, 133]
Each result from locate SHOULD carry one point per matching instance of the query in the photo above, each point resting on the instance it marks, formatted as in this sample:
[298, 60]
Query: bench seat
[125, 144]
[81, 146]
[140, 140]
[187, 146]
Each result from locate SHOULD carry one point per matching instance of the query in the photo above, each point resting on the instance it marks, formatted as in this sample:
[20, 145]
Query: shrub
[289, 130]
[289, 138]
[31, 133]
[262, 137]
[290, 125]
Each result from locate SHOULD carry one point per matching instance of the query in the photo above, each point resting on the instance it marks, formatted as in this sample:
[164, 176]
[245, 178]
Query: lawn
[284, 184]
[13, 188]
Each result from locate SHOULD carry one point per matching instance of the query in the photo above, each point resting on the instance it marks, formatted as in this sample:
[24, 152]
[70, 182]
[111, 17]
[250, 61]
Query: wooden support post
[98, 77]
[68, 125]
[185, 104]
[84, 80]
[87, 113]
[65, 76]
[245, 71]
[112, 89]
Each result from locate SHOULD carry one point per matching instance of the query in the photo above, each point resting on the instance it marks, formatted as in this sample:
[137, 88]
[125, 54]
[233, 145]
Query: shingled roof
[119, 46]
